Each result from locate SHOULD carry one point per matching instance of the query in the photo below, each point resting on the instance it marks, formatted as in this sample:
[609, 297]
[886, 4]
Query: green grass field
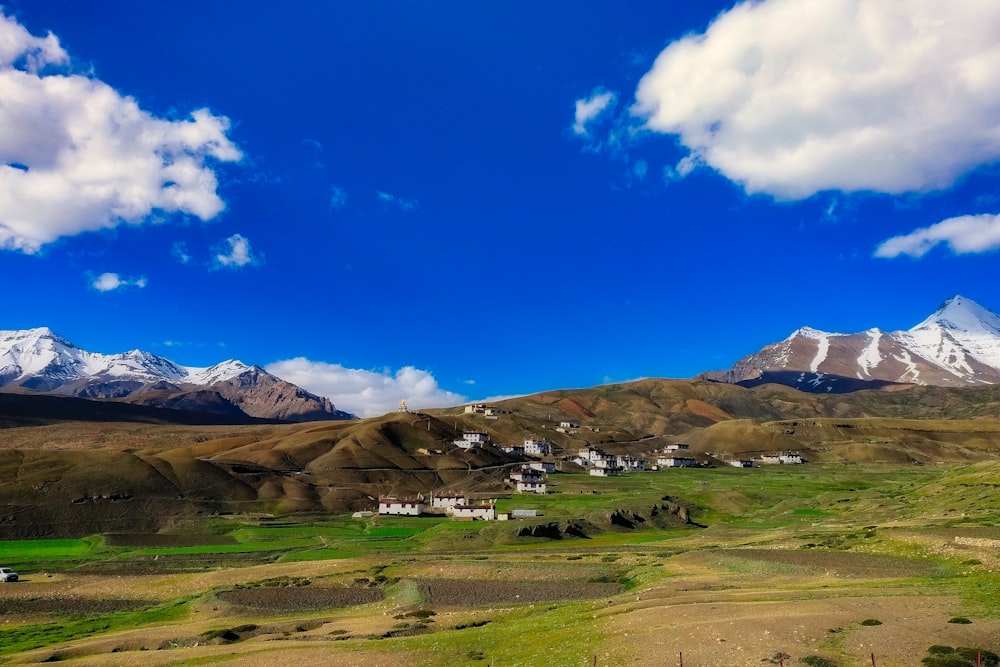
[792, 533]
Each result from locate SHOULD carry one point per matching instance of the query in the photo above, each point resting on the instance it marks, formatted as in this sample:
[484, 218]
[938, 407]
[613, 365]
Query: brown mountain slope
[106, 487]
[675, 407]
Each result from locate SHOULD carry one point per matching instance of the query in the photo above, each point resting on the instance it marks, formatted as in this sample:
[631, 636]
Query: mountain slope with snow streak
[957, 345]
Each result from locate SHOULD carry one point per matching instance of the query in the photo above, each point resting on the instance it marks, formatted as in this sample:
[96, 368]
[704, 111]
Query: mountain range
[957, 345]
[41, 361]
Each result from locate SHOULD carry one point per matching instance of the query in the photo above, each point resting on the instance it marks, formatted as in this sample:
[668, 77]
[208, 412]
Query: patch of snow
[911, 369]
[870, 356]
[822, 349]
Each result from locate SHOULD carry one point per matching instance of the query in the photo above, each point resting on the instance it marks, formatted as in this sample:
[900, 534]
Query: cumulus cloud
[965, 234]
[403, 204]
[588, 109]
[235, 252]
[76, 155]
[363, 392]
[109, 282]
[791, 98]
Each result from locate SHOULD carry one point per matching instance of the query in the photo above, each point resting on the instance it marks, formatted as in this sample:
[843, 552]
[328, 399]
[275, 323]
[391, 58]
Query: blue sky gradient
[416, 211]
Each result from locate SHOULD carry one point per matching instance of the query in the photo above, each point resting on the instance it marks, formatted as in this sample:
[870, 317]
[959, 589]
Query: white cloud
[639, 169]
[235, 252]
[791, 98]
[404, 204]
[76, 155]
[338, 198]
[180, 251]
[588, 109]
[363, 392]
[109, 282]
[963, 235]
[18, 46]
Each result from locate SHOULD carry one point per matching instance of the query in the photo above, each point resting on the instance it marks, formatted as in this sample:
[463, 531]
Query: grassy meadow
[816, 562]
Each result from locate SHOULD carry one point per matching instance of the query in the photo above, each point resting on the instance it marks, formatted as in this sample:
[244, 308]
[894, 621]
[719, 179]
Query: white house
[676, 462]
[769, 459]
[513, 450]
[596, 457]
[528, 480]
[605, 472]
[790, 457]
[531, 486]
[444, 502]
[400, 507]
[536, 447]
[677, 447]
[542, 466]
[569, 425]
[526, 475]
[473, 440]
[741, 463]
[474, 512]
[629, 464]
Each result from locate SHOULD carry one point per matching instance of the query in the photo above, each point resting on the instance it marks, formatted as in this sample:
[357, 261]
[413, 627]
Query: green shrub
[817, 661]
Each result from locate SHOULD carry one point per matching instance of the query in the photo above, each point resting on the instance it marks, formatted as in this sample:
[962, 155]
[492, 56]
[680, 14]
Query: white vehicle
[7, 574]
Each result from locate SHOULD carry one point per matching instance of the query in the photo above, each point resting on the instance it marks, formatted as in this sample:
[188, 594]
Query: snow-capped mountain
[41, 360]
[957, 345]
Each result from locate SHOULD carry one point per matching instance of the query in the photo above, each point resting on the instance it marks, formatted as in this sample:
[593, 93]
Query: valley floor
[820, 566]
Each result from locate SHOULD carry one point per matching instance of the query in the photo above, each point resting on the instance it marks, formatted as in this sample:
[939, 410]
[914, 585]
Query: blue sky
[452, 200]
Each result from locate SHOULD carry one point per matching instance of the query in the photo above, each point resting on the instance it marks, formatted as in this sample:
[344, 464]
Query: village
[537, 458]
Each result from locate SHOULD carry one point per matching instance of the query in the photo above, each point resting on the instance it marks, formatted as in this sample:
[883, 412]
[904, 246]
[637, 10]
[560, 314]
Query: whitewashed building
[390, 506]
[531, 486]
[677, 447]
[473, 440]
[741, 463]
[537, 447]
[446, 501]
[597, 471]
[676, 462]
[474, 512]
[528, 480]
[630, 464]
[513, 450]
[542, 466]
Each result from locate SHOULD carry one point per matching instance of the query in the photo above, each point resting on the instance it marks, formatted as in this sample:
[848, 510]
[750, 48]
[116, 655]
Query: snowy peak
[40, 360]
[964, 315]
[959, 344]
[227, 370]
[809, 332]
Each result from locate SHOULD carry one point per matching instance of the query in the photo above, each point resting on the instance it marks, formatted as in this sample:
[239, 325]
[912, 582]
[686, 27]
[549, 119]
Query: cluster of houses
[779, 458]
[456, 506]
[487, 411]
[602, 464]
[773, 458]
[672, 457]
